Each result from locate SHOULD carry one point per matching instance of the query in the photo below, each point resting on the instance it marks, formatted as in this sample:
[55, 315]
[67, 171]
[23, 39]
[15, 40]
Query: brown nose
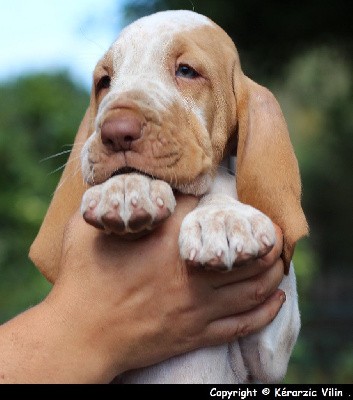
[121, 129]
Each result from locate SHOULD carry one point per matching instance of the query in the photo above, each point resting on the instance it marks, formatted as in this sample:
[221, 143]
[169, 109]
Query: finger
[276, 251]
[230, 328]
[245, 295]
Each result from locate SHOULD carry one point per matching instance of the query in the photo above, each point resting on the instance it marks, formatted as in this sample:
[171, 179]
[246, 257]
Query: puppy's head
[163, 103]
[169, 99]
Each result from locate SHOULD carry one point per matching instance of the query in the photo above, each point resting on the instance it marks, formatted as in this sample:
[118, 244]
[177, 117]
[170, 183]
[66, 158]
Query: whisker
[99, 46]
[55, 155]
[78, 168]
[57, 169]
[64, 165]
[64, 151]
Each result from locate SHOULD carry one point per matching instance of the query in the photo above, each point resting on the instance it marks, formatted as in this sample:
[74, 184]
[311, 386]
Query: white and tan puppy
[169, 105]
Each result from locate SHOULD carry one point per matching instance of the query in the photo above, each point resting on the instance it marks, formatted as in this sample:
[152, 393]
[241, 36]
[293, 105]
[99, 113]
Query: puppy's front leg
[130, 203]
[221, 232]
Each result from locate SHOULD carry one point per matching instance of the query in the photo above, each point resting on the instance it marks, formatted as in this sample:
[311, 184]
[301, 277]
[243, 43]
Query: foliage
[39, 115]
[316, 96]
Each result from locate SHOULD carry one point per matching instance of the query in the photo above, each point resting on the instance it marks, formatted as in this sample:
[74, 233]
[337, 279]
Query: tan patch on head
[214, 55]
[103, 73]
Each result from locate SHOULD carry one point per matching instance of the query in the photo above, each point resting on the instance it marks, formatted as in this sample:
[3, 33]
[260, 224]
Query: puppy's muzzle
[121, 129]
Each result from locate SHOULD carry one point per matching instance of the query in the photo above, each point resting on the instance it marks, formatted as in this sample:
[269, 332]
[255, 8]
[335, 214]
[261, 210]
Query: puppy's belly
[208, 365]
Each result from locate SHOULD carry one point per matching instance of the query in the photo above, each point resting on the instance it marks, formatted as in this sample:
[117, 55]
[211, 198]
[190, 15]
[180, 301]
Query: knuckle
[243, 329]
[272, 313]
[271, 258]
[260, 293]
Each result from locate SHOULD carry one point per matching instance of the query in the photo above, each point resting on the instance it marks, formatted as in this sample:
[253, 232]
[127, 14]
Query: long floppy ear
[267, 171]
[45, 251]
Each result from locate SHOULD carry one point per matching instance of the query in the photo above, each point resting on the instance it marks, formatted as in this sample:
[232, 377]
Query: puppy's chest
[224, 183]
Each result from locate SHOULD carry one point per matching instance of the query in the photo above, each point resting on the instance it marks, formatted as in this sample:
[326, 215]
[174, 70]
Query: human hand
[135, 303]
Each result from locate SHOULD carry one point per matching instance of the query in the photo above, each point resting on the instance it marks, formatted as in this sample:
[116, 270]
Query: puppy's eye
[103, 83]
[185, 71]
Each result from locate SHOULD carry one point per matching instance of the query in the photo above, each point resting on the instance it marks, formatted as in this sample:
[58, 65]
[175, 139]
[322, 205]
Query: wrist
[42, 345]
[78, 340]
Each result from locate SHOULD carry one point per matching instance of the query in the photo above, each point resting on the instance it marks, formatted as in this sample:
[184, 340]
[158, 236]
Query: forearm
[41, 346]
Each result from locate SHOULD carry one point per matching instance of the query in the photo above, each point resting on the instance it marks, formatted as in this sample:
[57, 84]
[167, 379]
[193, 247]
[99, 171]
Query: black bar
[212, 392]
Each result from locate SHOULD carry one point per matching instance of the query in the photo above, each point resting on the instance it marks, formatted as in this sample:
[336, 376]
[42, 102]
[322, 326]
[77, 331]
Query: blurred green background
[302, 52]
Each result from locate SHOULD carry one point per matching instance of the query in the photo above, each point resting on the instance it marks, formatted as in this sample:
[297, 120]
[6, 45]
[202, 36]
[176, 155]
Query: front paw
[218, 237]
[128, 203]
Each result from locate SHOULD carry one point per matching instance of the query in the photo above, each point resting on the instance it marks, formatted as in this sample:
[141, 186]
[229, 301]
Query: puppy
[169, 106]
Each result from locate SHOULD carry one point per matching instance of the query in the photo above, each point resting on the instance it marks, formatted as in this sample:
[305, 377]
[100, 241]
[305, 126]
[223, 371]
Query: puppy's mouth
[129, 170]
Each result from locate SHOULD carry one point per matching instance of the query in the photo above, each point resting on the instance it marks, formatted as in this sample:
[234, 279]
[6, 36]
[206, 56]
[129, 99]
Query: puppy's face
[163, 102]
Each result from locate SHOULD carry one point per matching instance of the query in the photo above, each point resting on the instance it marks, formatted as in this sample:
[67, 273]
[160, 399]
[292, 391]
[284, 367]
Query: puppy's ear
[267, 171]
[45, 251]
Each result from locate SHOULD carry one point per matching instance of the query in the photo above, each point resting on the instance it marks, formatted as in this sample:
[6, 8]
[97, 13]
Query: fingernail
[282, 297]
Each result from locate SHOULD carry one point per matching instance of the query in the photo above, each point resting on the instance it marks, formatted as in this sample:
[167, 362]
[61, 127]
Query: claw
[160, 202]
[192, 255]
[266, 241]
[92, 204]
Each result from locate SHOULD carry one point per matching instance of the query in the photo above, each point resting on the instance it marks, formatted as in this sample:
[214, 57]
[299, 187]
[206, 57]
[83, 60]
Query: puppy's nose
[120, 130]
